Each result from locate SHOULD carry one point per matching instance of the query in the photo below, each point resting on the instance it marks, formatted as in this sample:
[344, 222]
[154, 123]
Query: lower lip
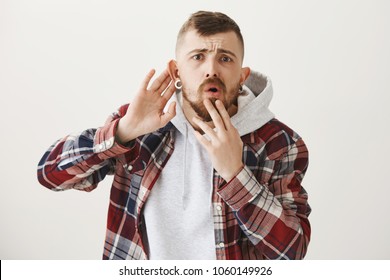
[213, 94]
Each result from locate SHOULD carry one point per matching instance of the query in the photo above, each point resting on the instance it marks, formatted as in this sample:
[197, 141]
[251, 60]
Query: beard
[230, 98]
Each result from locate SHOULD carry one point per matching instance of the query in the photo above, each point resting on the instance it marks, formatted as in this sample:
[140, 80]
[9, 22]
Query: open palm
[145, 114]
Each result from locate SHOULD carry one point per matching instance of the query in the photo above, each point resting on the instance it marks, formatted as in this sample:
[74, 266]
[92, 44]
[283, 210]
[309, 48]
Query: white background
[66, 65]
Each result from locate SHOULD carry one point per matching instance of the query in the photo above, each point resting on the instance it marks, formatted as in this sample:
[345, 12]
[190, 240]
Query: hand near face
[225, 145]
[145, 114]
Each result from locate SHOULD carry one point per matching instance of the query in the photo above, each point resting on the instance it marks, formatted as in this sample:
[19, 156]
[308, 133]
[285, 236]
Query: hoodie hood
[252, 113]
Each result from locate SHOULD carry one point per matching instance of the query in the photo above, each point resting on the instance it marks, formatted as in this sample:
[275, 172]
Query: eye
[197, 57]
[226, 59]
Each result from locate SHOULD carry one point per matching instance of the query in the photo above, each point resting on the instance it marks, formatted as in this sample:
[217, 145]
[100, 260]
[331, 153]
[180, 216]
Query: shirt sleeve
[274, 214]
[82, 161]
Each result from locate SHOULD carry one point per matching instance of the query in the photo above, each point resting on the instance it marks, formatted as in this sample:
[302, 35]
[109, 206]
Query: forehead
[192, 40]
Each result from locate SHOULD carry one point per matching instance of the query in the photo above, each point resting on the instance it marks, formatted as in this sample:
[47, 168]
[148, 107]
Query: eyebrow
[204, 50]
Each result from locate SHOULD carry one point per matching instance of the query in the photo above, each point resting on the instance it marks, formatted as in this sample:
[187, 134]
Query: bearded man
[203, 169]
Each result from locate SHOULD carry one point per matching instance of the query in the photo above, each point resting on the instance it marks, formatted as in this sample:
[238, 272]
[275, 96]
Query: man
[203, 173]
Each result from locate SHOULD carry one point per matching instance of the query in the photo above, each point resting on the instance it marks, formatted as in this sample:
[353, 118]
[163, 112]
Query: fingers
[164, 85]
[169, 91]
[161, 82]
[214, 114]
[224, 114]
[203, 141]
[206, 129]
[146, 81]
[167, 116]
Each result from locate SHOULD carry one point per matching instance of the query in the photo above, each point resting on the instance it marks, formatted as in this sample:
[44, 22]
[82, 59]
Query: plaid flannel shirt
[262, 213]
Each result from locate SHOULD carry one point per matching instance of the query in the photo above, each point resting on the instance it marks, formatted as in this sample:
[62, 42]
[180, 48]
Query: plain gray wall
[66, 65]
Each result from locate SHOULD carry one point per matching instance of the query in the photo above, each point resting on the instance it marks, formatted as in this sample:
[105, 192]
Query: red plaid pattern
[262, 213]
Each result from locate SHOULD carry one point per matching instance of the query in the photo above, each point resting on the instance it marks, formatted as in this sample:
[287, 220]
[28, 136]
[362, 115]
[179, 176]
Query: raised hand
[225, 145]
[145, 113]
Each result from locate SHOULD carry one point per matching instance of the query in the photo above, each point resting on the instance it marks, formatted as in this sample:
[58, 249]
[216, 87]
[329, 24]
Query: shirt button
[221, 245]
[219, 208]
[108, 143]
[101, 147]
[130, 167]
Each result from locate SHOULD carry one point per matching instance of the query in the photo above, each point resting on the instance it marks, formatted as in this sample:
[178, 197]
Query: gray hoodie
[178, 213]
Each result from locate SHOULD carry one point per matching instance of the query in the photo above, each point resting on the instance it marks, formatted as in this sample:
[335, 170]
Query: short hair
[209, 23]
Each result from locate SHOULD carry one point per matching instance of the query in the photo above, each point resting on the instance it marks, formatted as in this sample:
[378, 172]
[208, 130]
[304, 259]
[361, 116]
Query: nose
[211, 69]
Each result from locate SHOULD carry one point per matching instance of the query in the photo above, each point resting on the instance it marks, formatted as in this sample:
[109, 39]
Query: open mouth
[213, 89]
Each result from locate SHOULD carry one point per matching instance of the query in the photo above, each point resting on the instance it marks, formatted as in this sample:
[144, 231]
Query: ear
[245, 72]
[173, 70]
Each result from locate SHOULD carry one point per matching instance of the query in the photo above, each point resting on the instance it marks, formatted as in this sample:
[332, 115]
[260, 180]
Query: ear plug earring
[178, 84]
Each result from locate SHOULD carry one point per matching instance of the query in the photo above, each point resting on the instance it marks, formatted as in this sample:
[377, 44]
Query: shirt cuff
[241, 190]
[105, 144]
